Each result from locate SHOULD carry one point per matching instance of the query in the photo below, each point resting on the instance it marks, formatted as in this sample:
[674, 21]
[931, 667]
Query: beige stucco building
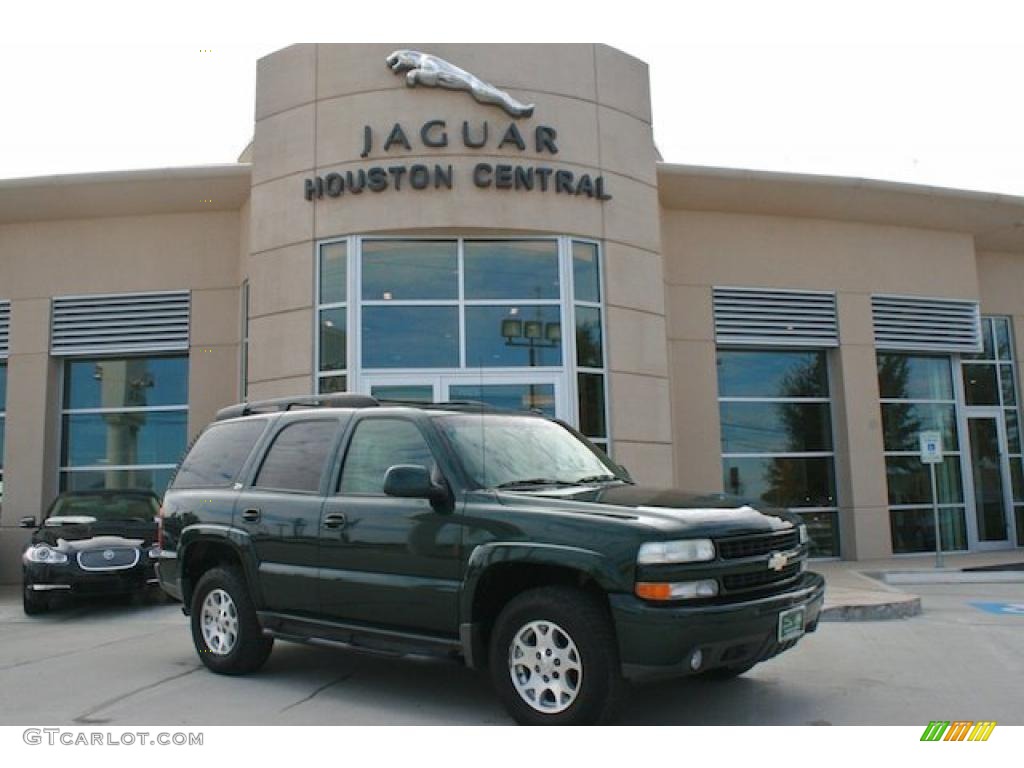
[776, 336]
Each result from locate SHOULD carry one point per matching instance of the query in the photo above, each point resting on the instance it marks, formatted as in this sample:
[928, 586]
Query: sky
[927, 93]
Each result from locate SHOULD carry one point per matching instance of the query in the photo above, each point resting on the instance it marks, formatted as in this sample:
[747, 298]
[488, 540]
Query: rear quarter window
[218, 455]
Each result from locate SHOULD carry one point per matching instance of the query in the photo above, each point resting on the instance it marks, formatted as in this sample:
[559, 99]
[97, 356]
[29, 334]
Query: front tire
[225, 630]
[34, 603]
[554, 658]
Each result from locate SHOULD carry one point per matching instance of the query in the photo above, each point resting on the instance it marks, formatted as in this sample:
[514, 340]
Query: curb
[949, 576]
[897, 609]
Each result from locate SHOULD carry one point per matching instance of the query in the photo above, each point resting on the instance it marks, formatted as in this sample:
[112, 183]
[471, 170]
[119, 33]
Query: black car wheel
[225, 630]
[34, 602]
[554, 659]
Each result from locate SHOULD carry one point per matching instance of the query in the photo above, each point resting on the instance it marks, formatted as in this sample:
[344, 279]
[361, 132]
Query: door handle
[251, 515]
[334, 520]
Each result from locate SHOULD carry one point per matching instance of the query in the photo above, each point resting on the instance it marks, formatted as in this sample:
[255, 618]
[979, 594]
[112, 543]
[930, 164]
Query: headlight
[41, 553]
[686, 551]
[682, 590]
[804, 538]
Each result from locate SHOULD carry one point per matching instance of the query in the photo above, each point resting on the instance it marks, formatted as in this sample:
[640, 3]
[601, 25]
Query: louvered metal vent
[5, 329]
[919, 324]
[767, 317]
[120, 323]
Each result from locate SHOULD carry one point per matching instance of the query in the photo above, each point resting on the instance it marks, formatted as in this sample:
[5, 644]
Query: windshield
[505, 451]
[132, 507]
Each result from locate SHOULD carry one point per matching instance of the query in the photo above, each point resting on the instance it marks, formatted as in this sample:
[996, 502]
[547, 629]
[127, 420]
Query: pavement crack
[86, 717]
[318, 691]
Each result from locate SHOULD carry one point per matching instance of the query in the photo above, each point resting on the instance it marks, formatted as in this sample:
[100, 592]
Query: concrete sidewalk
[851, 594]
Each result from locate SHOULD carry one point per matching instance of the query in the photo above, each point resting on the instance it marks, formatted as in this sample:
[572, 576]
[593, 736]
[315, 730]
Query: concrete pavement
[109, 663]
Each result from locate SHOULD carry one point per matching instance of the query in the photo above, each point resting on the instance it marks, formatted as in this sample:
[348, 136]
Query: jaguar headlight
[683, 551]
[44, 554]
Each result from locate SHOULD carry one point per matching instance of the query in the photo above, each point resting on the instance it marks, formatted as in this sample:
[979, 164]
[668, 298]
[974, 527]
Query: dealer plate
[791, 623]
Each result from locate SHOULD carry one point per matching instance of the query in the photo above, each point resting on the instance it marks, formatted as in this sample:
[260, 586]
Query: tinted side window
[297, 456]
[218, 455]
[378, 445]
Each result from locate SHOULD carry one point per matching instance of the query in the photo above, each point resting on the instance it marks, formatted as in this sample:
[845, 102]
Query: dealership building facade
[493, 222]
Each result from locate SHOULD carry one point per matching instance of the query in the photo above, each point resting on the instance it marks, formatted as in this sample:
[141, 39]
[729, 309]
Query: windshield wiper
[512, 484]
[596, 479]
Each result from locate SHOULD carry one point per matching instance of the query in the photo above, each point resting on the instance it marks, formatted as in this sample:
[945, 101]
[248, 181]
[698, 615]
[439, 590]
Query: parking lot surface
[118, 664]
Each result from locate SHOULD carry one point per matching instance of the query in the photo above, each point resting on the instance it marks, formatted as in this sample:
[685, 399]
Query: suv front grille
[108, 559]
[736, 582]
[757, 544]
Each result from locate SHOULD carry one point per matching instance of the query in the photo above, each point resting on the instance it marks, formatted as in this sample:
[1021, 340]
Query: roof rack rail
[334, 400]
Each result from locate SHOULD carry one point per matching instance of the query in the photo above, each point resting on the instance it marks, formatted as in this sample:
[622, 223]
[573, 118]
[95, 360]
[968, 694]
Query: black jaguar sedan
[91, 543]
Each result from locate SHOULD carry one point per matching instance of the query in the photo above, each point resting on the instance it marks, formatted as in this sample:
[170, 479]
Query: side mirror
[27, 522]
[624, 472]
[411, 481]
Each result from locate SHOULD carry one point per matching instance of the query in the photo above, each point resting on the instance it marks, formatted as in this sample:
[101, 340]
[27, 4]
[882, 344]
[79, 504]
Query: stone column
[857, 419]
[32, 429]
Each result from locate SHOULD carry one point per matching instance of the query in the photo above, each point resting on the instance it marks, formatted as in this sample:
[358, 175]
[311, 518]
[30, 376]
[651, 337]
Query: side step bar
[300, 629]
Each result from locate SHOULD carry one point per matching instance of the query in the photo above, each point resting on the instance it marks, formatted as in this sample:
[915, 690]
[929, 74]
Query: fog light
[696, 659]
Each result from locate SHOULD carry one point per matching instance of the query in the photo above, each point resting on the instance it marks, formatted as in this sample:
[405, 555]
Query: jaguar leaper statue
[425, 69]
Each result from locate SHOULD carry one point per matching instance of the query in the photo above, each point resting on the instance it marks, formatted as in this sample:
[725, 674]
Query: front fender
[236, 540]
[594, 564]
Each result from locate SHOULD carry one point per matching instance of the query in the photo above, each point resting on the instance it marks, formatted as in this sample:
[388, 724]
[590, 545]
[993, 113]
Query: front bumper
[70, 579]
[658, 641]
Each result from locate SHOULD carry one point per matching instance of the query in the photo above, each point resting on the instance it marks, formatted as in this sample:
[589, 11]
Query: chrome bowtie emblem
[778, 561]
[108, 554]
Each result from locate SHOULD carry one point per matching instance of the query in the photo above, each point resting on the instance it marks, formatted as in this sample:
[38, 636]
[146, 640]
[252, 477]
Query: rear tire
[226, 633]
[554, 658]
[34, 603]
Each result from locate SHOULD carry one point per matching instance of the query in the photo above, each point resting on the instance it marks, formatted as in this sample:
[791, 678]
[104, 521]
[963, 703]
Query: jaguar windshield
[106, 507]
[500, 451]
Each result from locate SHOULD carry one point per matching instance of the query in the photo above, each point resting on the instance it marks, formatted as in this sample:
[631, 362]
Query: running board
[300, 629]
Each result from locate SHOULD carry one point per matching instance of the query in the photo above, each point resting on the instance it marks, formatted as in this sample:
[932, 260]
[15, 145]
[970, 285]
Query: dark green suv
[501, 538]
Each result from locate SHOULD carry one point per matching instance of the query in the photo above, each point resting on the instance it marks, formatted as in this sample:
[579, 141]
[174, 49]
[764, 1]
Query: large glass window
[591, 365]
[427, 312]
[332, 317]
[917, 395]
[777, 447]
[990, 378]
[3, 420]
[124, 422]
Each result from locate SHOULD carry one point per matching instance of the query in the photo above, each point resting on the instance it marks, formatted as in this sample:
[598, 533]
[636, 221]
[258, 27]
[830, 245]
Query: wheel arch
[204, 547]
[498, 572]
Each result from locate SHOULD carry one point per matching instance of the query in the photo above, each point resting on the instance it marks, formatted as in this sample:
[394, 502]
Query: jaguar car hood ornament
[434, 72]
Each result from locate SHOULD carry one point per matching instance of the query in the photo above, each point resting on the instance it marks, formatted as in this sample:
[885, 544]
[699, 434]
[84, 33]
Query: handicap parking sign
[1003, 609]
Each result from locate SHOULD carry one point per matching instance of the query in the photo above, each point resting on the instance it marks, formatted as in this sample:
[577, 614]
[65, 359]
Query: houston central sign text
[437, 134]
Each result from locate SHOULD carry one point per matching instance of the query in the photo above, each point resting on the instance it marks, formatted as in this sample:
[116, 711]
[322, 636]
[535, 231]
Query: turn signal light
[685, 590]
[653, 591]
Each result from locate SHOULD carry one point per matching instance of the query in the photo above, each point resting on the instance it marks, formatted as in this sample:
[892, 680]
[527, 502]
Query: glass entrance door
[522, 392]
[986, 434]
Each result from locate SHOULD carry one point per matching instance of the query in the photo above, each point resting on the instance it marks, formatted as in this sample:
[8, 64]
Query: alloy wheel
[545, 666]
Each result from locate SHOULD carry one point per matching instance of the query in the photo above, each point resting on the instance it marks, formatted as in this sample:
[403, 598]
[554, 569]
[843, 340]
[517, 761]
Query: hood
[83, 529]
[667, 509]
[98, 542]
